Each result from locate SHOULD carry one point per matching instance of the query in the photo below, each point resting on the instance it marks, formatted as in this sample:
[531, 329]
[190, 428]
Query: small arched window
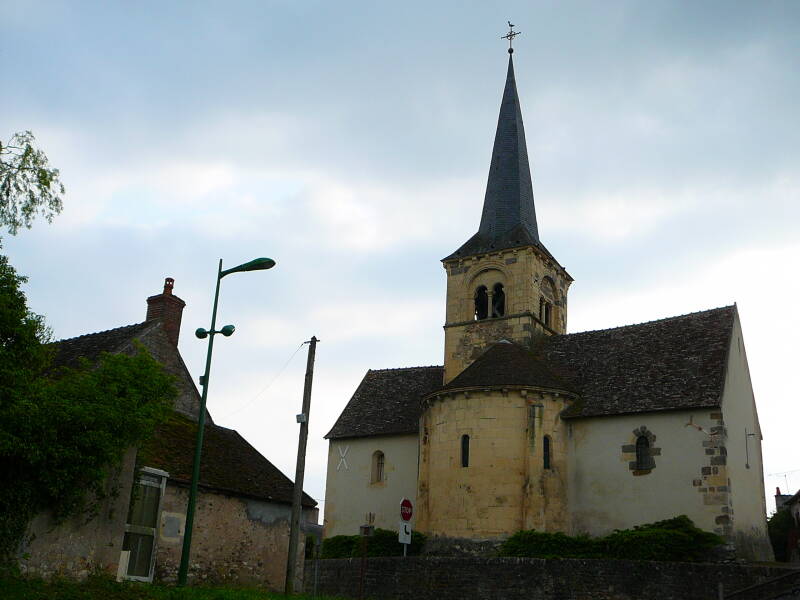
[498, 300]
[546, 452]
[378, 460]
[642, 453]
[481, 303]
[464, 450]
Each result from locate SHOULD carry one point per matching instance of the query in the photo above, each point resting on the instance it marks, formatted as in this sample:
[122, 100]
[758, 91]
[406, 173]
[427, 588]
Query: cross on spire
[510, 36]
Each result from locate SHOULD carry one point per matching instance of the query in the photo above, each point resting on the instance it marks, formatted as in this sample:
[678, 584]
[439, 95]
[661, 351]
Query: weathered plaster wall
[505, 487]
[747, 513]
[77, 547]
[521, 271]
[234, 539]
[349, 493]
[605, 493]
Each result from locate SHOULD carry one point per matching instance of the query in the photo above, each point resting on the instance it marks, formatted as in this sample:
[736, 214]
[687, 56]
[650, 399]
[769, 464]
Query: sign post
[404, 533]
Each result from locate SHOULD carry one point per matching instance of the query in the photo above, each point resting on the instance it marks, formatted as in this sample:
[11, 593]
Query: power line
[266, 387]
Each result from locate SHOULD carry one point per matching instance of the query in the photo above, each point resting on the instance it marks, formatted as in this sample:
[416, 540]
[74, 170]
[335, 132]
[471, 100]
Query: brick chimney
[168, 309]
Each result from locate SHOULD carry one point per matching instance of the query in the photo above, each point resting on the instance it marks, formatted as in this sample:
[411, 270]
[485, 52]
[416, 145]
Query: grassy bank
[99, 588]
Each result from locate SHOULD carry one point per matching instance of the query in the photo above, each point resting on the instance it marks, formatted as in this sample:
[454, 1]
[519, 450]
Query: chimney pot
[169, 283]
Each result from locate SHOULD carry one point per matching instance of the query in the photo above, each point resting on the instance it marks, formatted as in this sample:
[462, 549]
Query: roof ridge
[405, 368]
[113, 329]
[651, 322]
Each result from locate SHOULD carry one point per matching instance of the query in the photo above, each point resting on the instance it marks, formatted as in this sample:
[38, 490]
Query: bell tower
[503, 283]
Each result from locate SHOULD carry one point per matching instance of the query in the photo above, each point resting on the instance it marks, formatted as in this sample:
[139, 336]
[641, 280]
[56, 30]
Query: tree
[28, 184]
[63, 431]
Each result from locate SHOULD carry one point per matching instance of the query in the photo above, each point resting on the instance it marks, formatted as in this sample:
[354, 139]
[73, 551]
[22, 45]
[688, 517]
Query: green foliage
[537, 544]
[63, 432]
[104, 588]
[672, 540]
[28, 184]
[780, 525]
[383, 542]
[340, 546]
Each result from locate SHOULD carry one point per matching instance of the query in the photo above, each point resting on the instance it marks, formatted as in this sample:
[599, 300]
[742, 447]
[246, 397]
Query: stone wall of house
[81, 545]
[471, 578]
[527, 275]
[235, 540]
[505, 487]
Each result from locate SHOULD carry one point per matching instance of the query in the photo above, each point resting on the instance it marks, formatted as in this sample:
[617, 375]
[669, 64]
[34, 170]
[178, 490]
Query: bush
[780, 526]
[672, 540]
[536, 544]
[383, 542]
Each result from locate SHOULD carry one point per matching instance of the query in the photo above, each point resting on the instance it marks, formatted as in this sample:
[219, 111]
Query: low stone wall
[477, 578]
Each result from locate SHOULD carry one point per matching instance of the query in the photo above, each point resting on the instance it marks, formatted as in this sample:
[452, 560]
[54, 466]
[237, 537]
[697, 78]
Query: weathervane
[510, 36]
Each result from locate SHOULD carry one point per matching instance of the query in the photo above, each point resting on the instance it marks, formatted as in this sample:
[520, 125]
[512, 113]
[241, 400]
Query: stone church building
[526, 426]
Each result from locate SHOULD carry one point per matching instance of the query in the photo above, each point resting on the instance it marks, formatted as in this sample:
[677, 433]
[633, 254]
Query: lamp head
[228, 330]
[257, 264]
[200, 333]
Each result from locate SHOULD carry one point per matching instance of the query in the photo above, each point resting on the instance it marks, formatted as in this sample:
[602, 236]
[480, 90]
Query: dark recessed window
[464, 450]
[378, 460]
[642, 453]
[498, 300]
[481, 303]
[546, 452]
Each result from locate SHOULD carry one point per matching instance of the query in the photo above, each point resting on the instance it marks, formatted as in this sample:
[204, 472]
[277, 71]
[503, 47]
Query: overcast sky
[351, 143]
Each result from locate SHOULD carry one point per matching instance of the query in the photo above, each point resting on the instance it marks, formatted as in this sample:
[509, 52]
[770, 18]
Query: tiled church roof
[670, 364]
[386, 402]
[673, 363]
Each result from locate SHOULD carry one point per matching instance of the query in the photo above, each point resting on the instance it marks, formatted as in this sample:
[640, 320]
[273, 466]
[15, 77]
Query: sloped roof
[508, 219]
[386, 402]
[227, 464]
[506, 363]
[669, 364]
[674, 363]
[90, 346]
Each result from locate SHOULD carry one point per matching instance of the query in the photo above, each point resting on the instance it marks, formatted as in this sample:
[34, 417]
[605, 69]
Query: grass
[103, 588]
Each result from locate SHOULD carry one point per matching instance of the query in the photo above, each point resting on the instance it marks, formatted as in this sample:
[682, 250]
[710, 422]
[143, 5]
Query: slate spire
[509, 192]
[509, 216]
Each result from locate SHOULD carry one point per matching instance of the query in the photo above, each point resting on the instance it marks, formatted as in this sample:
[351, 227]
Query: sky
[350, 142]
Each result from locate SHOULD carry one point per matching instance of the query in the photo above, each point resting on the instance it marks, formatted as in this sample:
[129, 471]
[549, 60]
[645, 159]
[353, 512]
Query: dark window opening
[464, 450]
[377, 467]
[546, 452]
[481, 303]
[545, 312]
[642, 453]
[498, 300]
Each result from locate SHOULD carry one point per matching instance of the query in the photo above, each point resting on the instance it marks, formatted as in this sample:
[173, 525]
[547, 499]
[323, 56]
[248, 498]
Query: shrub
[383, 542]
[672, 540]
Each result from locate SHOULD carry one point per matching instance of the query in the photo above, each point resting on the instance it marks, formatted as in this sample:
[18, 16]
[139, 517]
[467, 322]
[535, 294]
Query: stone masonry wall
[235, 540]
[527, 275]
[440, 578]
[505, 487]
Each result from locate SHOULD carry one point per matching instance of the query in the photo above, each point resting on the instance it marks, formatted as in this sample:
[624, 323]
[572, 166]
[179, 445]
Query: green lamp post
[258, 264]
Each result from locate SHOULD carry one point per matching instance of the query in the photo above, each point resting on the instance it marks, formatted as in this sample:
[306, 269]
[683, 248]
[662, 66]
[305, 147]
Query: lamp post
[258, 264]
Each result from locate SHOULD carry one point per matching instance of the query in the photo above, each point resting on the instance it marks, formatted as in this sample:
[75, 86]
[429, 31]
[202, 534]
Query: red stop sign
[406, 509]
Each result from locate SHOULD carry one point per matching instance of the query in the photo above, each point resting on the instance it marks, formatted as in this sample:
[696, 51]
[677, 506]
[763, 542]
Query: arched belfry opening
[498, 300]
[481, 303]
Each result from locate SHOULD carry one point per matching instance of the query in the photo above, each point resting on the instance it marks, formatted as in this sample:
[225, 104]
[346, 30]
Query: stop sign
[406, 509]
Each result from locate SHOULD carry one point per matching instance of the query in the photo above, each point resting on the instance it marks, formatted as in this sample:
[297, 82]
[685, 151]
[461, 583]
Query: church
[526, 426]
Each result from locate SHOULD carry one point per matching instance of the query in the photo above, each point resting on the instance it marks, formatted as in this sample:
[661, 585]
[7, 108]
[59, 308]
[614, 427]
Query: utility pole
[302, 418]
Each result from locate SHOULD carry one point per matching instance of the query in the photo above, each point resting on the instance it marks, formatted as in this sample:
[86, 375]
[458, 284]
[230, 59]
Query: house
[527, 426]
[241, 526]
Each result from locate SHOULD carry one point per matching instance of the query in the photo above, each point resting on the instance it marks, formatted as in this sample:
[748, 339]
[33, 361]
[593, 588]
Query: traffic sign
[406, 509]
[404, 535]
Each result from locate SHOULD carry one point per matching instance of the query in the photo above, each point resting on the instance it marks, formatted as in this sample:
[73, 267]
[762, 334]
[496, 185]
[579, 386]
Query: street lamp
[258, 264]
